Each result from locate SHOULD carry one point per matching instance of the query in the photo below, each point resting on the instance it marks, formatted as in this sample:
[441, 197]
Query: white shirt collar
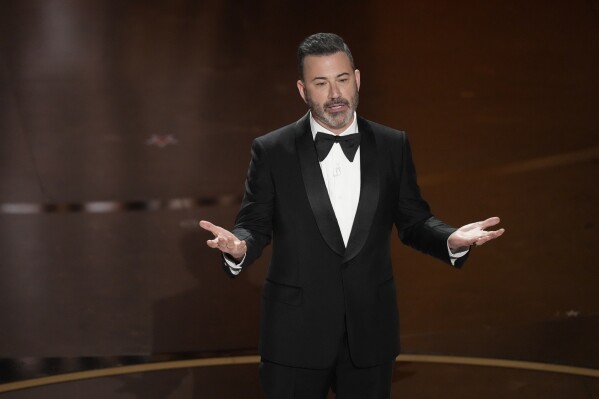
[317, 127]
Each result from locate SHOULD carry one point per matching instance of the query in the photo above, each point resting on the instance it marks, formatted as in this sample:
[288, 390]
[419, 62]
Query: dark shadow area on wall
[192, 322]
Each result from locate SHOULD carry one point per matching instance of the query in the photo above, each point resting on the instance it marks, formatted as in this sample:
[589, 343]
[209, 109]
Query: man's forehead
[330, 64]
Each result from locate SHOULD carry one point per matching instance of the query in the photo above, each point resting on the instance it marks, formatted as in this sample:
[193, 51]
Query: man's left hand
[473, 234]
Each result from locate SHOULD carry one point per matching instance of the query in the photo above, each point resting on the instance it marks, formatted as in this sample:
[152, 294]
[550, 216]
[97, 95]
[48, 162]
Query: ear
[357, 73]
[302, 90]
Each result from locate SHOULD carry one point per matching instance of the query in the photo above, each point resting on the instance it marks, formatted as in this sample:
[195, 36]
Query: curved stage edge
[254, 359]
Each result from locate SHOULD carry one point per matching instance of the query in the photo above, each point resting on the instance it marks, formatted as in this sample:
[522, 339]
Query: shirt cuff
[234, 267]
[455, 256]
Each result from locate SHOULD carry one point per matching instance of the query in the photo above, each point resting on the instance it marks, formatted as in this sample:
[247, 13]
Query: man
[327, 190]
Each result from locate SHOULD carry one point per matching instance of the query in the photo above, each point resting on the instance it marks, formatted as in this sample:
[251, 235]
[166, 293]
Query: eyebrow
[338, 76]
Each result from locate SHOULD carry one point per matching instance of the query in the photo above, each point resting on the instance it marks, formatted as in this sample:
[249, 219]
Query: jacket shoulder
[384, 133]
[277, 134]
[283, 137]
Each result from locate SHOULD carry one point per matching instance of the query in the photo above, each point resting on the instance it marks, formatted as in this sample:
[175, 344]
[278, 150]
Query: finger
[206, 225]
[219, 242]
[489, 222]
[222, 242]
[469, 227]
[491, 235]
[482, 241]
[228, 244]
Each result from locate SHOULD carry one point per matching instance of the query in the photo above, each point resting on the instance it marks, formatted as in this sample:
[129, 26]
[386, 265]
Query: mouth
[337, 107]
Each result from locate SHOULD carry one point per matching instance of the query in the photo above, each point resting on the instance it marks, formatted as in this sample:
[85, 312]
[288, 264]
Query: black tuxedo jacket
[316, 288]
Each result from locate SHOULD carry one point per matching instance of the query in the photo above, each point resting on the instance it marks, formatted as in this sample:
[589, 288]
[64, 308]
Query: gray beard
[319, 113]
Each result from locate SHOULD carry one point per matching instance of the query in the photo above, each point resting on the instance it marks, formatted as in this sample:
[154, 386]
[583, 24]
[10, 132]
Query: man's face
[330, 88]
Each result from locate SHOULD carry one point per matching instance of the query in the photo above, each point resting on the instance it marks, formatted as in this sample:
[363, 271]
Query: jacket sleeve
[416, 225]
[254, 220]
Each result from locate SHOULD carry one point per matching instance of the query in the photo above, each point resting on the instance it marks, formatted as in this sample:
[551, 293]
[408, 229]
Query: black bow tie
[349, 144]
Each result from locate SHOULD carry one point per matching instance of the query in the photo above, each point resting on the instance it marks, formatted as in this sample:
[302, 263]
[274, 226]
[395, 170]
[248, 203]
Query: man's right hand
[225, 241]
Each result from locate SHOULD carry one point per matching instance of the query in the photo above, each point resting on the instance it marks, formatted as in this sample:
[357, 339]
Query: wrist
[458, 249]
[234, 258]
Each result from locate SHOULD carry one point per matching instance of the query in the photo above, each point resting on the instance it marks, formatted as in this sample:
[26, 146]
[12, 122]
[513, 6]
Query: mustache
[337, 101]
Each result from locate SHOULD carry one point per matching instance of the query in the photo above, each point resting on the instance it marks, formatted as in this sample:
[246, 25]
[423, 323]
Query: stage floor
[417, 378]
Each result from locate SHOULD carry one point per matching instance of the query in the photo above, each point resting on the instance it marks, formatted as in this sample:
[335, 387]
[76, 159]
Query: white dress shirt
[342, 179]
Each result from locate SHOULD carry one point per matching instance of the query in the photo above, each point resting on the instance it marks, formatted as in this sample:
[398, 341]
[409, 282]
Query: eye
[320, 84]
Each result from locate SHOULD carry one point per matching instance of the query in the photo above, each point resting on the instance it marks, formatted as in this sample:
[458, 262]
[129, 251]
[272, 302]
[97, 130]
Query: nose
[334, 91]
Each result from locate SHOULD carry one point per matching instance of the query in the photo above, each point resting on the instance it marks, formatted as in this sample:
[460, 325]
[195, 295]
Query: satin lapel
[369, 191]
[315, 187]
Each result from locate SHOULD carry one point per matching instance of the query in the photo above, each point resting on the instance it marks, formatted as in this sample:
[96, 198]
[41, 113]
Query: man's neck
[316, 126]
